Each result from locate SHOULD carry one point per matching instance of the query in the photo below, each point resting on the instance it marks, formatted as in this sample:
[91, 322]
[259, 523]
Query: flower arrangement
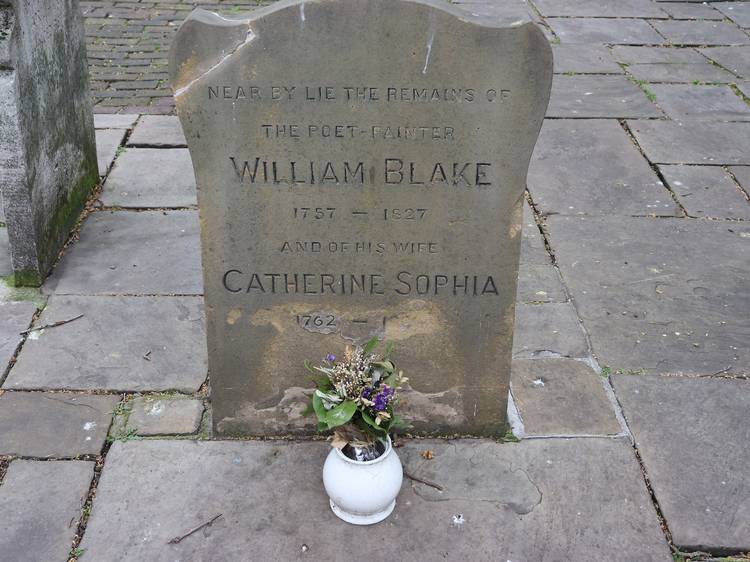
[355, 397]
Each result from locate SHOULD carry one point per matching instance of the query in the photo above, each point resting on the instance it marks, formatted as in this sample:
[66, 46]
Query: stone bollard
[47, 147]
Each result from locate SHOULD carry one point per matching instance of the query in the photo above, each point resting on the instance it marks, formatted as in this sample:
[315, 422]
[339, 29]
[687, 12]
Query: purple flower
[330, 358]
[366, 393]
[381, 399]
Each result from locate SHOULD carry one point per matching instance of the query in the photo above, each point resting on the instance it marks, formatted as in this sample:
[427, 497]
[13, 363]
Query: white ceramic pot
[363, 492]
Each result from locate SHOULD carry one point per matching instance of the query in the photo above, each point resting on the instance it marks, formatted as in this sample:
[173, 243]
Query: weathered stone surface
[598, 96]
[707, 191]
[158, 131]
[151, 177]
[533, 250]
[262, 323]
[604, 30]
[548, 330]
[742, 174]
[736, 59]
[116, 121]
[516, 500]
[107, 143]
[680, 72]
[667, 296]
[592, 167]
[599, 8]
[121, 343]
[692, 436]
[512, 10]
[561, 397]
[39, 500]
[584, 59]
[5, 266]
[715, 103]
[165, 416]
[40, 424]
[738, 12]
[47, 146]
[14, 318]
[701, 32]
[539, 283]
[126, 253]
[629, 54]
[691, 11]
[693, 142]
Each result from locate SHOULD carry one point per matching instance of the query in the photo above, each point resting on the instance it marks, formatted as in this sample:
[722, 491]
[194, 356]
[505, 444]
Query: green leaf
[369, 420]
[388, 349]
[322, 426]
[340, 414]
[370, 345]
[309, 366]
[319, 409]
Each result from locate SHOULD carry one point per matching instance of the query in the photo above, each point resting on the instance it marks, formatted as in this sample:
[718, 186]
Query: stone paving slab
[738, 12]
[592, 167]
[41, 424]
[516, 502]
[544, 330]
[701, 32]
[125, 344]
[680, 72]
[691, 11]
[688, 101]
[604, 30]
[164, 416]
[707, 191]
[600, 8]
[14, 318]
[662, 295]
[561, 397]
[6, 268]
[533, 251]
[598, 96]
[39, 500]
[584, 59]
[117, 121]
[628, 54]
[158, 131]
[742, 173]
[693, 142]
[107, 142]
[736, 59]
[129, 253]
[151, 177]
[539, 283]
[692, 435]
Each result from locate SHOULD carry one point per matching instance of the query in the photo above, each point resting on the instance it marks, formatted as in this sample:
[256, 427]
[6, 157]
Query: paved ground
[633, 321]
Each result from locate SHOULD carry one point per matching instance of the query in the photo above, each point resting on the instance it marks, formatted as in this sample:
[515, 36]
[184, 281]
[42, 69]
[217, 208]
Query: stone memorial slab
[701, 32]
[734, 59]
[158, 131]
[165, 416]
[713, 103]
[41, 503]
[605, 30]
[14, 318]
[345, 195]
[598, 96]
[707, 191]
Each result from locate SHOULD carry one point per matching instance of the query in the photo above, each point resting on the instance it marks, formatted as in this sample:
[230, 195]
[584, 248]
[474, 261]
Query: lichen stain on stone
[427, 407]
[233, 315]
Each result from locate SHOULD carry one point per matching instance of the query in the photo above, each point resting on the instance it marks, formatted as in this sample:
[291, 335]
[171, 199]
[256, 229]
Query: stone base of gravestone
[47, 148]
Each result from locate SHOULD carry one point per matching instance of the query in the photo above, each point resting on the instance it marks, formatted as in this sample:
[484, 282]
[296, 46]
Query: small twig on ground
[717, 372]
[425, 482]
[53, 325]
[147, 356]
[195, 530]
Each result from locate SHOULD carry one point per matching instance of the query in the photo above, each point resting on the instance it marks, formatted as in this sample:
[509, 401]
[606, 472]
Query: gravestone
[47, 147]
[360, 169]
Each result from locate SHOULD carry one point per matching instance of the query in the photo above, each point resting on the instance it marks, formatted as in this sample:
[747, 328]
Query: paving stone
[629, 54]
[701, 32]
[691, 11]
[736, 59]
[530, 510]
[592, 167]
[158, 131]
[151, 177]
[561, 397]
[117, 121]
[14, 318]
[680, 72]
[598, 96]
[707, 191]
[599, 8]
[6, 268]
[533, 250]
[147, 253]
[715, 103]
[127, 344]
[164, 416]
[39, 500]
[738, 12]
[693, 142]
[584, 59]
[548, 330]
[667, 296]
[744, 88]
[41, 424]
[692, 435]
[107, 142]
[742, 173]
[539, 283]
[604, 30]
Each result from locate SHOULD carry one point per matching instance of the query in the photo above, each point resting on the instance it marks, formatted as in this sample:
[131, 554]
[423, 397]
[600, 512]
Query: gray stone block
[107, 143]
[701, 32]
[592, 167]
[561, 397]
[735, 59]
[129, 253]
[14, 318]
[692, 435]
[548, 330]
[115, 121]
[693, 142]
[691, 11]
[165, 416]
[628, 54]
[41, 505]
[714, 103]
[539, 283]
[506, 493]
[680, 72]
[604, 30]
[533, 250]
[159, 131]
[151, 177]
[584, 59]
[664, 296]
[41, 424]
[707, 191]
[599, 8]
[742, 174]
[598, 96]
[126, 344]
[6, 268]
[738, 12]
